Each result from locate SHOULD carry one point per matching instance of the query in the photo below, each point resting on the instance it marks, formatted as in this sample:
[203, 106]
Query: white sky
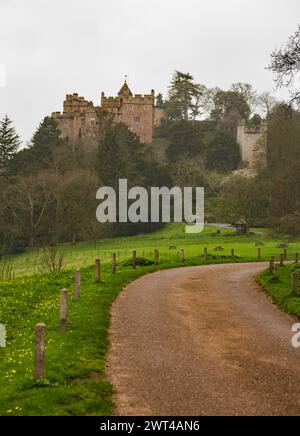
[53, 47]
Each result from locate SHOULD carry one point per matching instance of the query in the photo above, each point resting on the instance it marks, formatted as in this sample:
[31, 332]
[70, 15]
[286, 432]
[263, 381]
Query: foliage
[52, 260]
[160, 101]
[186, 141]
[140, 261]
[229, 107]
[6, 269]
[285, 64]
[9, 143]
[120, 156]
[184, 97]
[223, 153]
[289, 224]
[188, 172]
[242, 199]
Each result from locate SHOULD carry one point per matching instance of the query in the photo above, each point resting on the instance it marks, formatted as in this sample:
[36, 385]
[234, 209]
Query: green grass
[278, 286]
[75, 380]
[83, 254]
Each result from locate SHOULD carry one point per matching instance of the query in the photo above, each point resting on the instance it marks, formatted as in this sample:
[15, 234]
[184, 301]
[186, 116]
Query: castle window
[130, 107]
[136, 120]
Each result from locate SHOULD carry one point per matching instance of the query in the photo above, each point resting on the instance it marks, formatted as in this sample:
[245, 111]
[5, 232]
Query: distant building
[253, 143]
[81, 119]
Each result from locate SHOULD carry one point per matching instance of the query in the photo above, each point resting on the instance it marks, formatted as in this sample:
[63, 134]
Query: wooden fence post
[98, 270]
[285, 254]
[282, 259]
[114, 263]
[77, 284]
[134, 259]
[156, 256]
[205, 253]
[40, 335]
[294, 283]
[232, 253]
[63, 310]
[259, 253]
[182, 255]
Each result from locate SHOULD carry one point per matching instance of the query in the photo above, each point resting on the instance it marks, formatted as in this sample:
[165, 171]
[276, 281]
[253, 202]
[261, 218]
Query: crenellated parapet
[80, 118]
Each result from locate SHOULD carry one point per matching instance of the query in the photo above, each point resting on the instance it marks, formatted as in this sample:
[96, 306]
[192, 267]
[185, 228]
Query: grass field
[75, 382]
[168, 240]
[278, 286]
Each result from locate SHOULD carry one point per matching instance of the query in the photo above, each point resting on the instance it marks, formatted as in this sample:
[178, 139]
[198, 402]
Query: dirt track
[202, 341]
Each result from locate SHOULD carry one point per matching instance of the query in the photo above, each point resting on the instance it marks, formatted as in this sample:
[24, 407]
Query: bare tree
[285, 64]
[247, 92]
[266, 102]
[29, 199]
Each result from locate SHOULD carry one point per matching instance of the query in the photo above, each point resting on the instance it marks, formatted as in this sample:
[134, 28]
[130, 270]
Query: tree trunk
[31, 241]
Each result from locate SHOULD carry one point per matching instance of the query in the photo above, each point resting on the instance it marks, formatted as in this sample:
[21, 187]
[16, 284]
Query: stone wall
[253, 143]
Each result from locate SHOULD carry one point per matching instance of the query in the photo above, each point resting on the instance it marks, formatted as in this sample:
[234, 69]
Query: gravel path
[202, 341]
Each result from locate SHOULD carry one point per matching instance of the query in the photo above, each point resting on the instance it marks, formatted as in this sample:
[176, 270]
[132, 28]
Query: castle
[253, 143]
[81, 119]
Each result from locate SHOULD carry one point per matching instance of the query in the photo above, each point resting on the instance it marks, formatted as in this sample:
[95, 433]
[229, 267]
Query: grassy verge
[75, 382]
[278, 286]
[168, 240]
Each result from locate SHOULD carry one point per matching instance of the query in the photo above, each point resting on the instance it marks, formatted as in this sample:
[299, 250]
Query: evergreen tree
[186, 141]
[46, 136]
[184, 97]
[9, 142]
[160, 101]
[39, 155]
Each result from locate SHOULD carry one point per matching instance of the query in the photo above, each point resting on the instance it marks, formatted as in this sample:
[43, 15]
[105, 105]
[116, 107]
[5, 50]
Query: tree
[184, 97]
[282, 172]
[285, 64]
[266, 102]
[9, 143]
[121, 155]
[39, 154]
[229, 107]
[188, 172]
[186, 141]
[46, 136]
[160, 101]
[243, 199]
[223, 153]
[28, 201]
[77, 204]
[247, 92]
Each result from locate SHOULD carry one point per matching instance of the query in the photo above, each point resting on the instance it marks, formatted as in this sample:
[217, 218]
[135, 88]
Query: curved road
[202, 341]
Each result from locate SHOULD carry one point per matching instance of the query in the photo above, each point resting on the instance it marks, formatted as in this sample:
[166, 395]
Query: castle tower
[136, 111]
[253, 143]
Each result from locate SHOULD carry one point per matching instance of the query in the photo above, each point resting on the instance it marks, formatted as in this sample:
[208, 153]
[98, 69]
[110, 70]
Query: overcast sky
[53, 47]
